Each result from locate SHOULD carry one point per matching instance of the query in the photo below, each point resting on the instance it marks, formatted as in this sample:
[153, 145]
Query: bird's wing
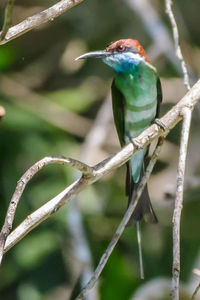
[159, 96]
[118, 104]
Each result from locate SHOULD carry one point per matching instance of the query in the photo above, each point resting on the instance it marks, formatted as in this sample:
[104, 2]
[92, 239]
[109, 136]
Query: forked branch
[123, 223]
[185, 133]
[89, 174]
[7, 227]
[7, 18]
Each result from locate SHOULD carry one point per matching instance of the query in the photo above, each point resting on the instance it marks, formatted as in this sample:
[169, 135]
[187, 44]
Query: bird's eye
[120, 48]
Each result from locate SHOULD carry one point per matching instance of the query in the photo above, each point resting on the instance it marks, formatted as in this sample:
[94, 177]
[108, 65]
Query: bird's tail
[139, 238]
[144, 209]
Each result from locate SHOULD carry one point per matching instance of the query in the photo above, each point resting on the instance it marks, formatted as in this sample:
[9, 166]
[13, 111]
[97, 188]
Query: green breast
[139, 87]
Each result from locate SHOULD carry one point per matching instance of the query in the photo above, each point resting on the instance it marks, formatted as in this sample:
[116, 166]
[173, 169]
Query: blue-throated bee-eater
[136, 97]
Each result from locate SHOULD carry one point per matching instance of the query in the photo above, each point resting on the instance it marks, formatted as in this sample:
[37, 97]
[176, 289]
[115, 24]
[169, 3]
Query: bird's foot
[136, 144]
[159, 123]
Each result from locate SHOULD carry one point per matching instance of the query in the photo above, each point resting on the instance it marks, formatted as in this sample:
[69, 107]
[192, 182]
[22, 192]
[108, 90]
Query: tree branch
[7, 227]
[7, 18]
[156, 28]
[36, 20]
[196, 272]
[195, 292]
[187, 114]
[185, 133]
[123, 223]
[168, 5]
[92, 174]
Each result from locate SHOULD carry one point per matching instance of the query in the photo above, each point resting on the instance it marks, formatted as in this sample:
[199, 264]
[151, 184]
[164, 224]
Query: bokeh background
[56, 106]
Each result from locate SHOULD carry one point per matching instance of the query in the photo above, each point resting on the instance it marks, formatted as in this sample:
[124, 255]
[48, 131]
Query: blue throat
[123, 62]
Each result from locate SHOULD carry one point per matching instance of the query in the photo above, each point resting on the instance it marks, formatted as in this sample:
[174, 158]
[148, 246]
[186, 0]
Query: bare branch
[195, 292]
[7, 227]
[7, 18]
[187, 114]
[156, 28]
[168, 4]
[36, 20]
[169, 120]
[123, 223]
[196, 272]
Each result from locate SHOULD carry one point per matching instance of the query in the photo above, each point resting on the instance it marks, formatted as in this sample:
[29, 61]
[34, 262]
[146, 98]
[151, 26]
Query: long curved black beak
[93, 54]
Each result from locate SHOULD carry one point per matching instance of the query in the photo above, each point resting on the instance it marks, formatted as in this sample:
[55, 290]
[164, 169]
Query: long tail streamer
[140, 249]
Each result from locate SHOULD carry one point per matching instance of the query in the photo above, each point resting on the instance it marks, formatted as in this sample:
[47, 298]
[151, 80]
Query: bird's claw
[136, 144]
[160, 124]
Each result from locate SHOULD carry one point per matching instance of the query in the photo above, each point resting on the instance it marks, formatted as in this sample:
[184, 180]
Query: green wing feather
[118, 104]
[159, 96]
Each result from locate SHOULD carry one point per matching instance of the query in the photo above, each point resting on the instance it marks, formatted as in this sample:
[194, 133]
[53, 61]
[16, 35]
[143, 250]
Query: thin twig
[123, 223]
[168, 5]
[187, 114]
[169, 120]
[196, 272]
[156, 29]
[7, 18]
[7, 227]
[195, 292]
[36, 20]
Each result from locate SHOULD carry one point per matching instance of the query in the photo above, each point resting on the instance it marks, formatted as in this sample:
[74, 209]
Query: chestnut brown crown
[127, 45]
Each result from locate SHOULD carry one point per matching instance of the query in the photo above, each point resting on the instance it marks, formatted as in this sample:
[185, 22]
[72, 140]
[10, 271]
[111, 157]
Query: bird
[136, 99]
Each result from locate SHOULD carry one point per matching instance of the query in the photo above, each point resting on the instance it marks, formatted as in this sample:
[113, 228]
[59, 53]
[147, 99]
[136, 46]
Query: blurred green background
[51, 105]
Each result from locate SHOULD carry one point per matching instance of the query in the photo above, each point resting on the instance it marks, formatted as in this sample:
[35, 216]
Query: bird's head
[120, 55]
